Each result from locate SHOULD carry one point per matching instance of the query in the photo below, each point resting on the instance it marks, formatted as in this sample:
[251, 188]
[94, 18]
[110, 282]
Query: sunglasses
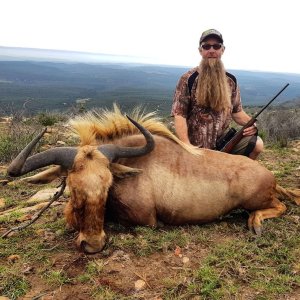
[208, 46]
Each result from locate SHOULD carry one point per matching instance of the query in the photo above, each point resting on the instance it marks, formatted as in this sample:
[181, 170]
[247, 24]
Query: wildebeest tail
[292, 194]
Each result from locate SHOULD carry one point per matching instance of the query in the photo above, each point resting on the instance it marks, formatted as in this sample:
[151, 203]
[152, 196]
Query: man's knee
[259, 147]
[250, 144]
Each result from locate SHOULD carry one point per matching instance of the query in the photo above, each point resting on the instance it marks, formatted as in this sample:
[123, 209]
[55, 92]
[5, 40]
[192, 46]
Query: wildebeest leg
[293, 195]
[276, 209]
[46, 176]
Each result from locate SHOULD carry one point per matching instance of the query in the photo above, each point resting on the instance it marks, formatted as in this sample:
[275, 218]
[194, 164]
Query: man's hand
[242, 119]
[252, 130]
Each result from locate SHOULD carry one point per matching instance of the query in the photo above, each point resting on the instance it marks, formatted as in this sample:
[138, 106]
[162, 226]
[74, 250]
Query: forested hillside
[57, 85]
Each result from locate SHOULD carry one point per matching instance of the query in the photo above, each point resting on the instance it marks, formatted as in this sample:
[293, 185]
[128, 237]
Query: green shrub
[47, 119]
[15, 139]
[14, 287]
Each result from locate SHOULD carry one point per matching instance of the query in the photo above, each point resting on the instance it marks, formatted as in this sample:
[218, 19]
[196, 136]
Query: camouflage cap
[211, 32]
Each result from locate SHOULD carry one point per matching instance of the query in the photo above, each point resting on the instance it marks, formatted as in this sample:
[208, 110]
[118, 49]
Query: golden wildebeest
[142, 184]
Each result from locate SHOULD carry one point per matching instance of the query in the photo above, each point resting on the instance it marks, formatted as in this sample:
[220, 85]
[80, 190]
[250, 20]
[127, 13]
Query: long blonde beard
[212, 88]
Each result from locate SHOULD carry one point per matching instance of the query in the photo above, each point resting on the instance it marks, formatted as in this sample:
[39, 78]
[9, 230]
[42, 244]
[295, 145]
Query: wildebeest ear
[121, 171]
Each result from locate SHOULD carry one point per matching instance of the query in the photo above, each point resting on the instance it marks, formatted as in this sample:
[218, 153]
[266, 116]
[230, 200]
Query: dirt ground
[121, 270]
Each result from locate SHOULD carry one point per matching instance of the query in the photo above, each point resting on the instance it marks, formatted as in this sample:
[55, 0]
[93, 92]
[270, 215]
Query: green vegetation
[143, 241]
[15, 137]
[267, 264]
[11, 145]
[48, 119]
[13, 285]
[102, 292]
[21, 131]
[56, 278]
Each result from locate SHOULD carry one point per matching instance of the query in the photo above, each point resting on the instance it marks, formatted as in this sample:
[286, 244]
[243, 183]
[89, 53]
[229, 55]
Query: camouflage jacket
[205, 126]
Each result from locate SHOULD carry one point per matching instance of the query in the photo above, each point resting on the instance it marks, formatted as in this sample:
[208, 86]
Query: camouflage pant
[245, 146]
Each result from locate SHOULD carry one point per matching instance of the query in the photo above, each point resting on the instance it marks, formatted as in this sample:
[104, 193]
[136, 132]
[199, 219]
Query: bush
[49, 119]
[280, 126]
[14, 140]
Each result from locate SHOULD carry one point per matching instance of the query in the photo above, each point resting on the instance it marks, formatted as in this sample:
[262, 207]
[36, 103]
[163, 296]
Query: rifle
[233, 137]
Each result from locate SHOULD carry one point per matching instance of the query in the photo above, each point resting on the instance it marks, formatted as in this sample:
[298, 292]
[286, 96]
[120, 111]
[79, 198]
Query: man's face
[213, 51]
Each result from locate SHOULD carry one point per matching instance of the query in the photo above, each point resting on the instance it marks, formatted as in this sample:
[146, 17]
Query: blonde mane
[104, 126]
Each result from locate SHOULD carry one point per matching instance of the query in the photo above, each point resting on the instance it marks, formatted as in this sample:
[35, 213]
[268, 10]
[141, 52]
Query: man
[207, 98]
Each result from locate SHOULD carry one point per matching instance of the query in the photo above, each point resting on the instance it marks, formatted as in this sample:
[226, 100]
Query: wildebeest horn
[21, 165]
[64, 156]
[113, 152]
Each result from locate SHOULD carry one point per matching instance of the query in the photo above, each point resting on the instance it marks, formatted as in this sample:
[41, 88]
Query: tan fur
[89, 182]
[121, 171]
[104, 126]
[177, 188]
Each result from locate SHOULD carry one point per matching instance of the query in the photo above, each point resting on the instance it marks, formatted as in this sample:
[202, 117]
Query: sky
[259, 35]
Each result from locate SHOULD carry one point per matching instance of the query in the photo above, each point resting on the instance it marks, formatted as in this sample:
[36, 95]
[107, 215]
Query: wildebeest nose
[88, 249]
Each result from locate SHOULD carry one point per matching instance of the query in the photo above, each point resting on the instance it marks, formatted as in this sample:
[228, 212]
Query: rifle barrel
[238, 136]
[271, 100]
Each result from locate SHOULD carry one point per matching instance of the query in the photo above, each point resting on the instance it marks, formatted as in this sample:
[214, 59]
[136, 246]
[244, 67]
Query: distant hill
[259, 87]
[49, 80]
[291, 104]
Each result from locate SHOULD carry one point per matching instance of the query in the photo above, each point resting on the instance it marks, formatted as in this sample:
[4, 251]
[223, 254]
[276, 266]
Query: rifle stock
[238, 136]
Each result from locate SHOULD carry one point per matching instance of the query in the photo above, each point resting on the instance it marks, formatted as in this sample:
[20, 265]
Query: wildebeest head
[89, 178]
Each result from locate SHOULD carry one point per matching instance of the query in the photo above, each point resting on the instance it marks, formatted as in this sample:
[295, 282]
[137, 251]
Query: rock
[224, 224]
[2, 203]
[4, 182]
[185, 259]
[59, 232]
[13, 258]
[45, 147]
[3, 169]
[67, 192]
[27, 270]
[40, 232]
[120, 255]
[294, 219]
[139, 285]
[25, 218]
[43, 195]
[60, 143]
[177, 251]
[5, 119]
[26, 210]
[49, 236]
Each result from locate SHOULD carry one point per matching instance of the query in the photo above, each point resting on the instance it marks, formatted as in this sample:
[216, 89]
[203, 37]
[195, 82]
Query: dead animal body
[164, 180]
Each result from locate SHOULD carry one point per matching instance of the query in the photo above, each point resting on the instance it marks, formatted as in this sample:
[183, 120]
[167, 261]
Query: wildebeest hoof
[160, 224]
[258, 230]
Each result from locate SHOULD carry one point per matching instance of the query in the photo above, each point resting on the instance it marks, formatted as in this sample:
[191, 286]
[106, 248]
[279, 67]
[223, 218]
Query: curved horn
[21, 165]
[113, 152]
